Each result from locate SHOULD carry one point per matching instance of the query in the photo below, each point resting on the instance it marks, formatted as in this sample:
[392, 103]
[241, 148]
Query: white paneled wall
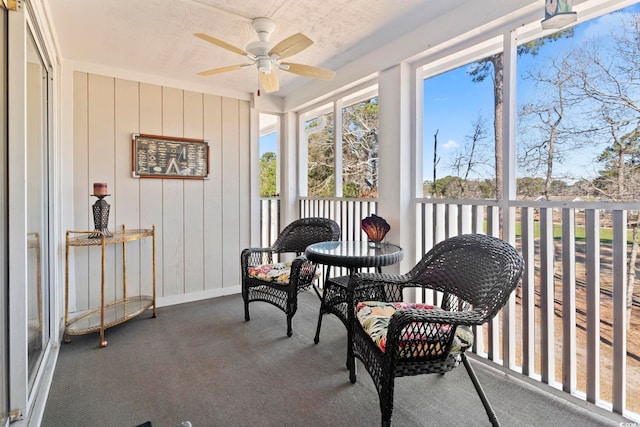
[201, 225]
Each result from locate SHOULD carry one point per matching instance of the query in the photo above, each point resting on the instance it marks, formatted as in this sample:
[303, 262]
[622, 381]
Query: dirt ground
[606, 330]
[606, 349]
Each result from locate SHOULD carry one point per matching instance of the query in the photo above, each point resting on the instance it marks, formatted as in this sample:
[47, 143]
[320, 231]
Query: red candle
[100, 188]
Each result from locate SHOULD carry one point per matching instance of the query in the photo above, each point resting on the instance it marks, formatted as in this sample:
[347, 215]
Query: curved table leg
[322, 310]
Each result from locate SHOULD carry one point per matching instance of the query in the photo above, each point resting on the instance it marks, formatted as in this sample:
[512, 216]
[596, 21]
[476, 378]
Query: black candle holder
[101, 216]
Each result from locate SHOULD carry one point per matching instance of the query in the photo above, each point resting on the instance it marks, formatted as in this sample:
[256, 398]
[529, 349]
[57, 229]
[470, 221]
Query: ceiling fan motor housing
[264, 27]
[268, 59]
[260, 50]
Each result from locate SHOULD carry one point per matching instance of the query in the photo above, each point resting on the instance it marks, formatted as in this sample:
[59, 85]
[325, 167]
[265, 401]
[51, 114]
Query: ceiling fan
[268, 59]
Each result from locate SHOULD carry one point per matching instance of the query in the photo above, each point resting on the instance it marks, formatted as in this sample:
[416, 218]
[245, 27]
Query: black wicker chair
[475, 273]
[283, 291]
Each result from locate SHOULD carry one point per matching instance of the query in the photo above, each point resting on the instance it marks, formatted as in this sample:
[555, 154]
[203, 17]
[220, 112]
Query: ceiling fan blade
[291, 45]
[223, 44]
[269, 81]
[308, 71]
[222, 69]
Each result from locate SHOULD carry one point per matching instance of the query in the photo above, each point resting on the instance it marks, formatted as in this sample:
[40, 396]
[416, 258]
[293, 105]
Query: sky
[453, 102]
[268, 143]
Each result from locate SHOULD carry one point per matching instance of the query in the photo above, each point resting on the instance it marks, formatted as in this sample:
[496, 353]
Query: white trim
[290, 168]
[198, 296]
[509, 160]
[16, 155]
[157, 80]
[254, 177]
[337, 147]
[600, 409]
[365, 89]
[395, 197]
[42, 384]
[302, 177]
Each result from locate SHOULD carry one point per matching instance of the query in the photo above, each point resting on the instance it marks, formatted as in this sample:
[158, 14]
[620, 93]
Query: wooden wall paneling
[101, 160]
[194, 202]
[150, 102]
[126, 191]
[173, 200]
[79, 257]
[212, 200]
[231, 191]
[201, 225]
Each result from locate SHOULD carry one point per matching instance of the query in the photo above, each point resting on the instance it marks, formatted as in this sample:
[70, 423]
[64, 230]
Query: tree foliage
[321, 158]
[359, 152]
[268, 165]
[546, 129]
[609, 80]
[493, 66]
[471, 157]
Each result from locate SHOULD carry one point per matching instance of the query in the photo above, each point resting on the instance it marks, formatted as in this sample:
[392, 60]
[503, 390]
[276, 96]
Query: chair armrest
[443, 317]
[302, 271]
[418, 333]
[377, 287]
[250, 257]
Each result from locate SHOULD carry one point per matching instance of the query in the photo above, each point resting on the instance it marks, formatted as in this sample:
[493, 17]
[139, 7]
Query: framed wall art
[156, 156]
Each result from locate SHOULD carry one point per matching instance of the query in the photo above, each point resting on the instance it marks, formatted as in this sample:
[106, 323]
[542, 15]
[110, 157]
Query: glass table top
[354, 254]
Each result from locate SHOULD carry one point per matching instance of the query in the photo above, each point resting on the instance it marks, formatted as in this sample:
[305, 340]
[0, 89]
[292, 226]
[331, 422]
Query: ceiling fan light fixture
[268, 59]
[264, 65]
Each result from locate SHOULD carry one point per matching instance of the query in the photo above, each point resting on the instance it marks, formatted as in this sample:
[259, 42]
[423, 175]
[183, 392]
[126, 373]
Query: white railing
[346, 212]
[269, 220]
[566, 326]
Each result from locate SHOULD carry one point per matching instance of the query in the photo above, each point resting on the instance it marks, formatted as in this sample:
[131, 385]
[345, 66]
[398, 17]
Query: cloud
[451, 144]
[601, 27]
[607, 25]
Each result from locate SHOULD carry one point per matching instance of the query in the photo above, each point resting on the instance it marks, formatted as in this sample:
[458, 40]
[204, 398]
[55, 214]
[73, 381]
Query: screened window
[459, 136]
[360, 149]
[321, 150]
[268, 149]
[578, 99]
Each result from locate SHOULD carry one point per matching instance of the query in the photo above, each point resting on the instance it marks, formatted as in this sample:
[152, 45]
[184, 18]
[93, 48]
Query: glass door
[37, 126]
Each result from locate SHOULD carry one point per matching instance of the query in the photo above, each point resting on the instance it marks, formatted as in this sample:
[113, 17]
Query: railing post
[528, 291]
[547, 292]
[592, 283]
[568, 300]
[619, 310]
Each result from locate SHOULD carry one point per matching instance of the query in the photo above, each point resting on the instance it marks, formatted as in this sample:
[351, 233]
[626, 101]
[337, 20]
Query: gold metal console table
[98, 319]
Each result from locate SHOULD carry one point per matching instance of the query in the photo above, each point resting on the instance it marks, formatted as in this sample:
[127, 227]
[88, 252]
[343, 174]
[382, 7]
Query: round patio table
[352, 255]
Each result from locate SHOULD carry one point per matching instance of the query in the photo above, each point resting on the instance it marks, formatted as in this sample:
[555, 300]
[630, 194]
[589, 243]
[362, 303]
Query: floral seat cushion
[417, 339]
[274, 273]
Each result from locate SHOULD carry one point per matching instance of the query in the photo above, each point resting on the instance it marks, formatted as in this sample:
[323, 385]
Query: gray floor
[203, 363]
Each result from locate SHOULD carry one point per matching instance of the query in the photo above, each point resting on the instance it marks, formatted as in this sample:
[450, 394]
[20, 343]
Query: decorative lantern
[558, 14]
[376, 229]
[100, 210]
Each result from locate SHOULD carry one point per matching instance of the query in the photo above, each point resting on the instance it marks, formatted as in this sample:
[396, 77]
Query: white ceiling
[155, 37]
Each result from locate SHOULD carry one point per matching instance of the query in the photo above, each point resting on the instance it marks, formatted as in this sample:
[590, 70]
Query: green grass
[606, 234]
